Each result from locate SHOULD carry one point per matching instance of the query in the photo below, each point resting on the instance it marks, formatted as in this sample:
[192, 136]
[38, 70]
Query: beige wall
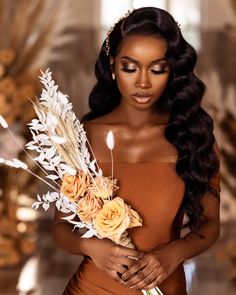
[88, 12]
[217, 13]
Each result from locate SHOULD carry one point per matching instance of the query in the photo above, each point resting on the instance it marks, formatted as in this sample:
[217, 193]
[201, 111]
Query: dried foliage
[31, 32]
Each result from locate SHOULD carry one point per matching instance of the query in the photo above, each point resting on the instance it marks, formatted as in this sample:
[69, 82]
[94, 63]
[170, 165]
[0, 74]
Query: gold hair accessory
[112, 28]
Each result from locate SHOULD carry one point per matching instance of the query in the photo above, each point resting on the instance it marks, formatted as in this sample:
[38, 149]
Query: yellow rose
[88, 208]
[113, 220]
[74, 186]
[103, 187]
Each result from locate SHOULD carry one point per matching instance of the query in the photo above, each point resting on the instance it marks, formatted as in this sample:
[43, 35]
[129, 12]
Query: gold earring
[113, 76]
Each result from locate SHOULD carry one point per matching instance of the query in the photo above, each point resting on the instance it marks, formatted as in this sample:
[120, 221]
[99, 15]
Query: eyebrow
[136, 62]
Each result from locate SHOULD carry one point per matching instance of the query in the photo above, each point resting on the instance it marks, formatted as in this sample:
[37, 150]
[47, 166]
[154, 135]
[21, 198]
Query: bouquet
[64, 155]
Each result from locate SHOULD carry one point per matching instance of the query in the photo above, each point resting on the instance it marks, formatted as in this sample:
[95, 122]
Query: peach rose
[74, 186]
[88, 208]
[113, 220]
[103, 187]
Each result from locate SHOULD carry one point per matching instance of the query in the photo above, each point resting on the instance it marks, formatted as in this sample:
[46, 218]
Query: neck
[137, 118]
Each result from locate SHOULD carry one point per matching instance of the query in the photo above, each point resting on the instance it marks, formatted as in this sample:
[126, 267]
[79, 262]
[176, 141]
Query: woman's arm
[105, 254]
[195, 243]
[154, 267]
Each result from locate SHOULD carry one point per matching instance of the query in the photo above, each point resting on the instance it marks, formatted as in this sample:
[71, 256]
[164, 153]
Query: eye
[159, 69]
[158, 72]
[127, 70]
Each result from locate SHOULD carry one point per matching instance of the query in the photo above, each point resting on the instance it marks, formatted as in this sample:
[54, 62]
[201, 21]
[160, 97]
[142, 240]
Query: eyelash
[133, 70]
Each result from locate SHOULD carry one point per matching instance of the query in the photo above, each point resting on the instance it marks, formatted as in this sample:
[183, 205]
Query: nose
[143, 81]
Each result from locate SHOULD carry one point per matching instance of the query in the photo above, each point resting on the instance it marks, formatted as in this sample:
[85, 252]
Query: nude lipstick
[142, 97]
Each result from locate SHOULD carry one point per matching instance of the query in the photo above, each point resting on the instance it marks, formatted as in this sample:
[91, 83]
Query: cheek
[125, 83]
[160, 84]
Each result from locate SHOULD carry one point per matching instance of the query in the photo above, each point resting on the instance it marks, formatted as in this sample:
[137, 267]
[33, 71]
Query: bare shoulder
[96, 132]
[99, 127]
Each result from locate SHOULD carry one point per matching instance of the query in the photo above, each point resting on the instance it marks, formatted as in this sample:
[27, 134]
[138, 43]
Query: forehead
[143, 47]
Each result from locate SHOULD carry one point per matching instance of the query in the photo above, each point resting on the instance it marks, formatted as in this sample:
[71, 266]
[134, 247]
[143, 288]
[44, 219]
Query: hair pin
[112, 28]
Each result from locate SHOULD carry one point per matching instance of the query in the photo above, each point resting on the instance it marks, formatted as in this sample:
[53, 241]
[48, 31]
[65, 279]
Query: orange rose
[88, 208]
[74, 186]
[113, 220]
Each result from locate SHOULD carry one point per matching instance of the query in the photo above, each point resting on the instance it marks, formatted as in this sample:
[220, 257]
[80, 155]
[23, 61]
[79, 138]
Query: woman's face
[141, 70]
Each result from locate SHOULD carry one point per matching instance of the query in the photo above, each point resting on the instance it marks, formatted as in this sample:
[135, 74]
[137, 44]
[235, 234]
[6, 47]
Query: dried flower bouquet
[64, 154]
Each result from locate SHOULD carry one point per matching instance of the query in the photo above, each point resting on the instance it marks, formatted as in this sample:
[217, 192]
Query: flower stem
[112, 171]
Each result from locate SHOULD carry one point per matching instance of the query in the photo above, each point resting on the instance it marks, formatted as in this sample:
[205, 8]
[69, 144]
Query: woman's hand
[110, 257]
[152, 269]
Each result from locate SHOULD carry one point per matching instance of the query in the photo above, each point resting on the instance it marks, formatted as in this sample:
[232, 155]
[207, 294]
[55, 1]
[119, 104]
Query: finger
[145, 272]
[124, 251]
[138, 266]
[122, 260]
[119, 268]
[155, 283]
[143, 281]
[128, 262]
[137, 257]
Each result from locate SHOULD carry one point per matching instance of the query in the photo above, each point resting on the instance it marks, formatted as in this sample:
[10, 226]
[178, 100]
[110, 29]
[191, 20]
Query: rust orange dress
[155, 191]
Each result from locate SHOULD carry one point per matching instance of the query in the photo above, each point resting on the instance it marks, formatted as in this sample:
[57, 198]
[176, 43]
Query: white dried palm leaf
[58, 136]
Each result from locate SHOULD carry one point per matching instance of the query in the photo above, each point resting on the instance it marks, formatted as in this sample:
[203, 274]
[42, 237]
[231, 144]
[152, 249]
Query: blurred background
[65, 35]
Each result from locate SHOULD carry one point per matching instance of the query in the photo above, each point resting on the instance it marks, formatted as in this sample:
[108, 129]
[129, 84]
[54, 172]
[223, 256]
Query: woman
[166, 159]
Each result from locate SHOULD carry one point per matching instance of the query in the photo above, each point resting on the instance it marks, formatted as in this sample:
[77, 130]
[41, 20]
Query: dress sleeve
[215, 184]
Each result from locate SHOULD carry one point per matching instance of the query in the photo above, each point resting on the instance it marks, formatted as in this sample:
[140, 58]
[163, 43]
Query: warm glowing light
[26, 214]
[28, 277]
[25, 200]
[21, 227]
[146, 3]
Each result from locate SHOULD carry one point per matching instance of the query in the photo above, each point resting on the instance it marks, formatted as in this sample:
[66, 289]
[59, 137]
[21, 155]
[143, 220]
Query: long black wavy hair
[190, 128]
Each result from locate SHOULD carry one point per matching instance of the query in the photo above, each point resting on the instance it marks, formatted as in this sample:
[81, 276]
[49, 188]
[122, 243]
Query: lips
[142, 97]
